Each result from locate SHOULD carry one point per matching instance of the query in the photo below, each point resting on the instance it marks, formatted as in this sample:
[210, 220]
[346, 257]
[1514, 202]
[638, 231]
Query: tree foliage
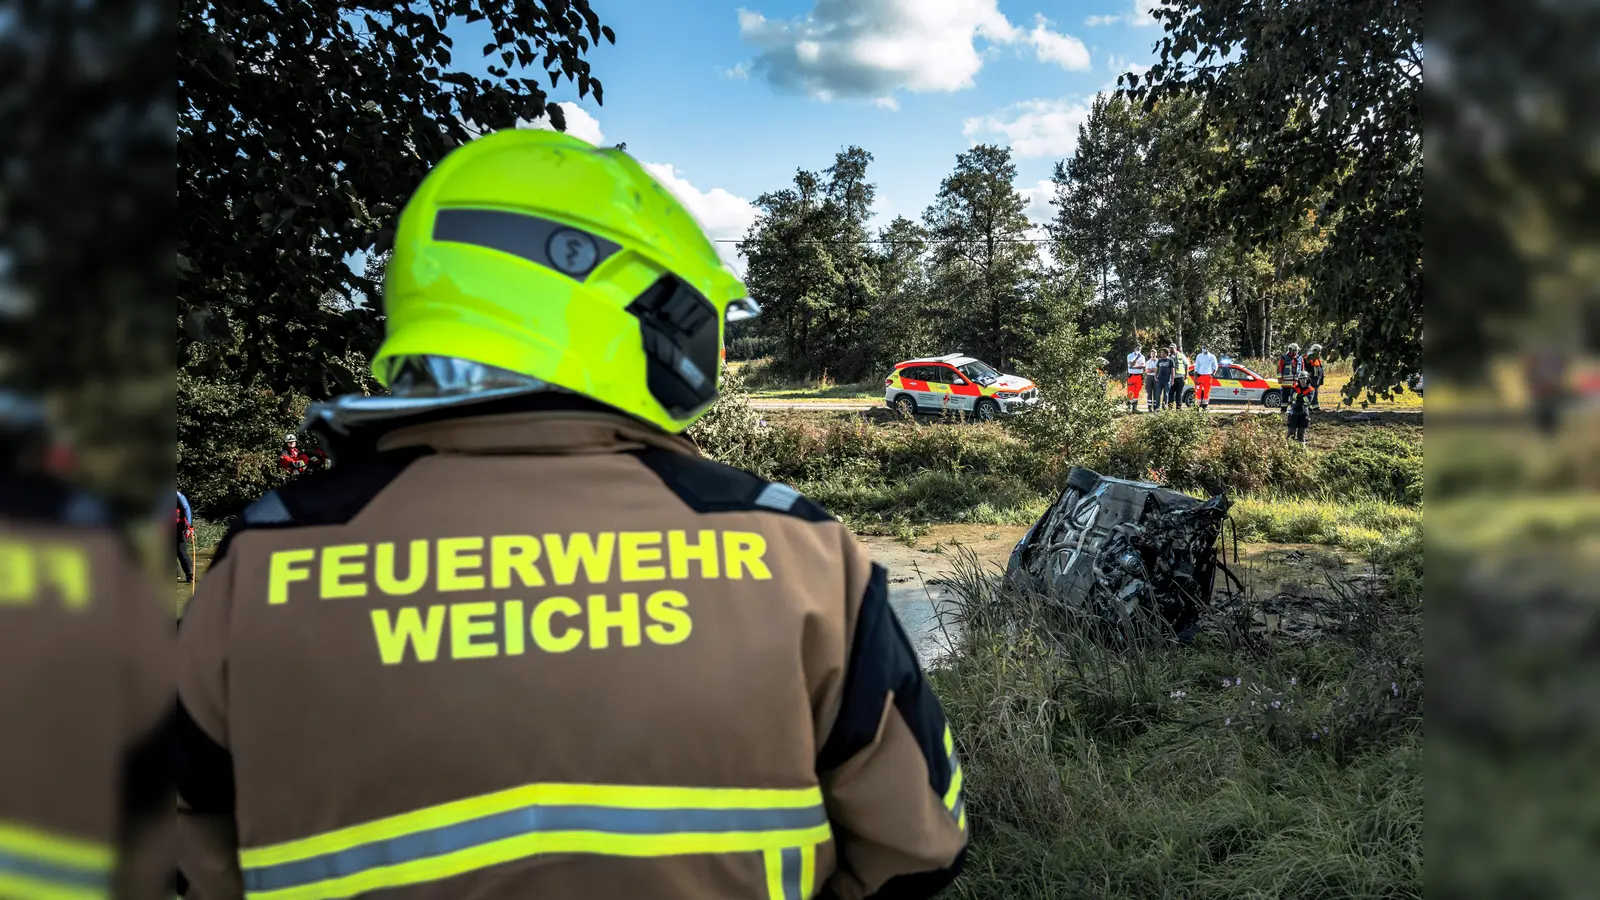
[1317, 108]
[843, 302]
[302, 130]
[985, 268]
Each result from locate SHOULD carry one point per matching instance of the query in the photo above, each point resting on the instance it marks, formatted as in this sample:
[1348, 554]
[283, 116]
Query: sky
[725, 101]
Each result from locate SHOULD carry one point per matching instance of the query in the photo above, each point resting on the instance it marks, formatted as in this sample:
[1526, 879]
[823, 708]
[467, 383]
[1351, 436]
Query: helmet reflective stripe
[555, 245]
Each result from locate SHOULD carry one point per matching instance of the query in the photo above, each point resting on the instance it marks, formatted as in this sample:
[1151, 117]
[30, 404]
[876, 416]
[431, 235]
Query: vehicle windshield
[980, 373]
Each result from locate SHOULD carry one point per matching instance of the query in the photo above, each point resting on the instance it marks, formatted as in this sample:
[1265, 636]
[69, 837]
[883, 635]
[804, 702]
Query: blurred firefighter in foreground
[85, 685]
[522, 640]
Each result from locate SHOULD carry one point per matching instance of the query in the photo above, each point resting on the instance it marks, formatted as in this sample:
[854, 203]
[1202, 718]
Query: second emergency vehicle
[1236, 384]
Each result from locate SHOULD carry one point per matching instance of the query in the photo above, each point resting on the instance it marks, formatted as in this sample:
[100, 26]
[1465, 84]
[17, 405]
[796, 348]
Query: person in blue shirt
[183, 524]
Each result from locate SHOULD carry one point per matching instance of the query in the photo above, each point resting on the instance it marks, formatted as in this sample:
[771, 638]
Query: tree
[1101, 205]
[290, 160]
[900, 330]
[985, 266]
[808, 261]
[1317, 104]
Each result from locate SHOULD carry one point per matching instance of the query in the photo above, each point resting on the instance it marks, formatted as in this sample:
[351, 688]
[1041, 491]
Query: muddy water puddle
[918, 567]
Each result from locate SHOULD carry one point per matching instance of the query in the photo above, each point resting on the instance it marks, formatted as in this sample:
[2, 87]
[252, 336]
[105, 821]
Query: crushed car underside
[1109, 547]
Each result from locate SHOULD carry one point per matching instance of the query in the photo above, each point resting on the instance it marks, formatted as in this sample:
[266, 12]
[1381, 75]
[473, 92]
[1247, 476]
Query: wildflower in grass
[1178, 695]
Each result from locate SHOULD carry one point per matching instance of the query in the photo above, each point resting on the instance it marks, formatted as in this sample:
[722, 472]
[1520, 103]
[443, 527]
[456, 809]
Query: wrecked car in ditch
[1109, 548]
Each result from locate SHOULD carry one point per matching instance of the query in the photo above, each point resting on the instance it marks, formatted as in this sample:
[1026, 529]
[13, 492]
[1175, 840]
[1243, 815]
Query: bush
[729, 432]
[1375, 463]
[1162, 446]
[228, 440]
[1250, 454]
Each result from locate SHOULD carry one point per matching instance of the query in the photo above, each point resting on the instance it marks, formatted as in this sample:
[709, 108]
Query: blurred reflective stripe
[611, 820]
[952, 795]
[35, 863]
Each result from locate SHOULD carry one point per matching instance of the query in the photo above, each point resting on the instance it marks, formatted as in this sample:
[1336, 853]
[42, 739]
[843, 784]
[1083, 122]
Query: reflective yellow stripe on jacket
[37, 864]
[786, 826]
[953, 798]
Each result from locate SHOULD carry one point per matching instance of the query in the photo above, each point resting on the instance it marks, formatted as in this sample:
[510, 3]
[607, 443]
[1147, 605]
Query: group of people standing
[1163, 379]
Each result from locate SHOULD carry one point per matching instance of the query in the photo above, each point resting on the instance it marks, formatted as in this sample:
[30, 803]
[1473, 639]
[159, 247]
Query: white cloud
[1033, 127]
[723, 215]
[1140, 15]
[868, 49]
[1039, 210]
[1142, 12]
[1064, 50]
[739, 72]
[580, 124]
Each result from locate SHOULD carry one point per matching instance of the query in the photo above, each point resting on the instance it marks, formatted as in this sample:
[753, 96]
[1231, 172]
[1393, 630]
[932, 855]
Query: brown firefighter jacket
[85, 703]
[554, 653]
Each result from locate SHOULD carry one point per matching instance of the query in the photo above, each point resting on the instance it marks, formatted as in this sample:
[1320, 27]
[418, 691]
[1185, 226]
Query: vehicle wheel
[1082, 480]
[905, 407]
[987, 410]
[1272, 399]
[1188, 397]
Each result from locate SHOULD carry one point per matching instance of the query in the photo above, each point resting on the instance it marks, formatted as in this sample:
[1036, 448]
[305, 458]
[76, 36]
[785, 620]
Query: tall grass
[1241, 766]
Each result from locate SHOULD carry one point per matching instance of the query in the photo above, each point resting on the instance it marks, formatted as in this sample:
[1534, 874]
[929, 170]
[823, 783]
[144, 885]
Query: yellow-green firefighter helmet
[535, 252]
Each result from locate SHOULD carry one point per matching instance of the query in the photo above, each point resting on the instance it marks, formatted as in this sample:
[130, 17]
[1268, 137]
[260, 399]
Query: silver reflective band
[778, 496]
[743, 309]
[429, 375]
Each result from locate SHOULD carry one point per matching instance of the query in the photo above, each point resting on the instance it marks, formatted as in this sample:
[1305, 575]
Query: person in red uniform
[1299, 417]
[298, 462]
